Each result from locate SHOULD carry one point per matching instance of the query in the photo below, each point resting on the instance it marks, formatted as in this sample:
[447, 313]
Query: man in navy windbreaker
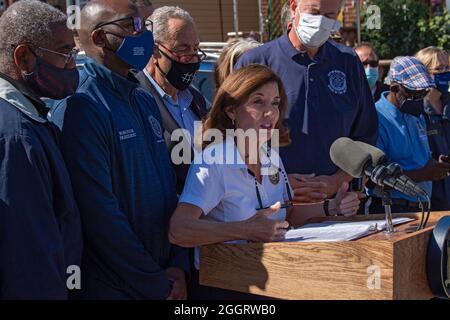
[40, 230]
[113, 144]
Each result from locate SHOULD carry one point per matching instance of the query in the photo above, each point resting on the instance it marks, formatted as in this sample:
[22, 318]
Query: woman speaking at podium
[231, 195]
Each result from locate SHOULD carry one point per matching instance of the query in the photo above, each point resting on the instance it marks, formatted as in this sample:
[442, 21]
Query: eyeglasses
[185, 58]
[149, 25]
[416, 95]
[371, 63]
[136, 22]
[286, 204]
[440, 70]
[71, 56]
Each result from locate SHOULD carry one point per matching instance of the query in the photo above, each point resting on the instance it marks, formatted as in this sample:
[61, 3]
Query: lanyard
[258, 194]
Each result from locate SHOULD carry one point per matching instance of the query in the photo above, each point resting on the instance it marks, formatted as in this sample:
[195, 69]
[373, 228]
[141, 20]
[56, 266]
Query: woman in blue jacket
[437, 110]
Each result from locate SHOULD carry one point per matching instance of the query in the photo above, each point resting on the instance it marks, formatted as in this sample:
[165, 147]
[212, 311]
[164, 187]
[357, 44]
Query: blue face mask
[137, 50]
[372, 76]
[442, 81]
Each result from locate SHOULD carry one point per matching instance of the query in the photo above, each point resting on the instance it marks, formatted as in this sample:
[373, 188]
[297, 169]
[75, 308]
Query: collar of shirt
[384, 105]
[229, 155]
[120, 86]
[184, 98]
[373, 90]
[20, 97]
[288, 48]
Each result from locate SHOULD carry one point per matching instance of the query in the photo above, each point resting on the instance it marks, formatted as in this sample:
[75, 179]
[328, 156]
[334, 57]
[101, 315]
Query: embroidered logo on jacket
[127, 134]
[337, 82]
[156, 126]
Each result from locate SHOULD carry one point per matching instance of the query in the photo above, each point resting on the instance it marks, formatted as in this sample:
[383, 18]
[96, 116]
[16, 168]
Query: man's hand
[178, 278]
[345, 203]
[260, 228]
[436, 170]
[331, 182]
[306, 190]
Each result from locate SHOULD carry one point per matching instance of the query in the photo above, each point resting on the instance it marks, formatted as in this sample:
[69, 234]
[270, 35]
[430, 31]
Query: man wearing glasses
[40, 228]
[169, 74]
[403, 134]
[374, 72]
[113, 143]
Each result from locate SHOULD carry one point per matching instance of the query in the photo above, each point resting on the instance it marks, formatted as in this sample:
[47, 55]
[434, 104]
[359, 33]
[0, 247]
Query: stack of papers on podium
[331, 231]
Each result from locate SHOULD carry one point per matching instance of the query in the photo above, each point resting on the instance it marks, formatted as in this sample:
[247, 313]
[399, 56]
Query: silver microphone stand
[387, 203]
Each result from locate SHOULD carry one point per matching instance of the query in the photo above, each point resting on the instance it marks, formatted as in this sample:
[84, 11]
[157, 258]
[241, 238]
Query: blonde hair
[430, 57]
[230, 55]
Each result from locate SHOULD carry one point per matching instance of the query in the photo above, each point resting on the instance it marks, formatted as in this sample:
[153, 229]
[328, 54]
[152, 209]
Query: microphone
[378, 156]
[394, 169]
[358, 159]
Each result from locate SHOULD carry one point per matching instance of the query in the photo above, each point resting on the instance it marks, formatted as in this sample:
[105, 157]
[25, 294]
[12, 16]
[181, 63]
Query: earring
[232, 121]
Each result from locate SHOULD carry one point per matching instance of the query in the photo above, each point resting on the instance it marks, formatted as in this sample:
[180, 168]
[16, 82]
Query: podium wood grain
[336, 270]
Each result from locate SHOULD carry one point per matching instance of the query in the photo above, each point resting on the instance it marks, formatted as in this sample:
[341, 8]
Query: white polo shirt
[226, 192]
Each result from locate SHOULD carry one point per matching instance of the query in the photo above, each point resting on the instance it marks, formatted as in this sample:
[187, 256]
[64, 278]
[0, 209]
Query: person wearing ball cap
[402, 131]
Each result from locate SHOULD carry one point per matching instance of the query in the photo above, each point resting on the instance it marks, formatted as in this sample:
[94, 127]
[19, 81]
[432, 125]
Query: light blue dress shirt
[403, 138]
[180, 109]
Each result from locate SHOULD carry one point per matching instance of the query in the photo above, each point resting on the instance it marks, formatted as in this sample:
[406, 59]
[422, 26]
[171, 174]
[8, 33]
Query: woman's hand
[345, 203]
[260, 228]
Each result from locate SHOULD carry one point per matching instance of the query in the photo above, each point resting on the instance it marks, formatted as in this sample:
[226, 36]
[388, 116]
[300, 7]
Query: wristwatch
[326, 205]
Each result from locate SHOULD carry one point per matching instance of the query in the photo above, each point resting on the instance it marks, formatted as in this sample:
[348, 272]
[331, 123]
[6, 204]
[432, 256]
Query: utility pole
[358, 19]
[261, 20]
[236, 18]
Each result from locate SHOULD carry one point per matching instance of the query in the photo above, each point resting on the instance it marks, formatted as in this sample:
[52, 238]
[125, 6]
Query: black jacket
[198, 105]
[381, 87]
[40, 227]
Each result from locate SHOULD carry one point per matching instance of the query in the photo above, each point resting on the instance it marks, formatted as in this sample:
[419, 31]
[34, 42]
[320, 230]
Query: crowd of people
[93, 183]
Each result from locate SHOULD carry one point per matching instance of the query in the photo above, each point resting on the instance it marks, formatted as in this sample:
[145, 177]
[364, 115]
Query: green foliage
[406, 27]
[439, 29]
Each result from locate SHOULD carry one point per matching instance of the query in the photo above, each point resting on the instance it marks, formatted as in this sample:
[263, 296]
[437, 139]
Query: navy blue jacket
[113, 143]
[438, 127]
[329, 98]
[40, 230]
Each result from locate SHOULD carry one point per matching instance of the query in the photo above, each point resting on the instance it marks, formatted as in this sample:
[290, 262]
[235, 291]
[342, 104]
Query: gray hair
[286, 16]
[224, 66]
[26, 21]
[160, 18]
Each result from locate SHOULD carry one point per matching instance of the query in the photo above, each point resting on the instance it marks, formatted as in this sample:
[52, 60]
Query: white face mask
[314, 30]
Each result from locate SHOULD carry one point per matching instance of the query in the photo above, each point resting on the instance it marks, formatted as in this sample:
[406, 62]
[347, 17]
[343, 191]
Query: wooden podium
[377, 267]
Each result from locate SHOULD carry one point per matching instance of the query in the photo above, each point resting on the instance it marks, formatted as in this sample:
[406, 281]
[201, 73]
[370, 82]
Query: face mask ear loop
[401, 99]
[157, 64]
[160, 70]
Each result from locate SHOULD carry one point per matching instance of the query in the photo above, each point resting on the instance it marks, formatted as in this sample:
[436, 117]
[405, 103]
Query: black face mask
[409, 106]
[52, 82]
[180, 75]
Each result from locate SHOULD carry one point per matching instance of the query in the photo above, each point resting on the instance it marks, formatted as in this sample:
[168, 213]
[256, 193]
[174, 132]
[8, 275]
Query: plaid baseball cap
[410, 73]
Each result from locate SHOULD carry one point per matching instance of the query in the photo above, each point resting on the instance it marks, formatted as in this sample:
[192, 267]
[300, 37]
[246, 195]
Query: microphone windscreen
[349, 156]
[378, 156]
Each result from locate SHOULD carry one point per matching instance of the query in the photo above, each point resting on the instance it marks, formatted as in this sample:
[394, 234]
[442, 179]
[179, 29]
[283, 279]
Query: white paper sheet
[331, 231]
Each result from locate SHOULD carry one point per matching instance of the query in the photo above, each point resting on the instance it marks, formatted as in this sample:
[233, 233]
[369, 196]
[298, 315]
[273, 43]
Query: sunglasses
[371, 63]
[416, 95]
